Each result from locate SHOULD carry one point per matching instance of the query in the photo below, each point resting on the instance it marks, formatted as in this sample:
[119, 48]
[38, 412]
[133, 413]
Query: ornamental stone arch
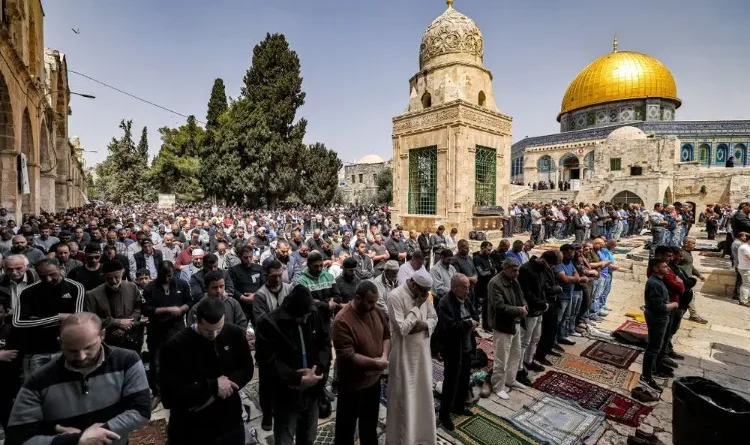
[8, 181]
[27, 149]
[569, 160]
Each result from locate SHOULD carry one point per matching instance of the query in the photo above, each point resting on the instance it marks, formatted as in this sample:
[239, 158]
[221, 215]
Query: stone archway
[9, 183]
[47, 173]
[27, 148]
[571, 167]
[626, 197]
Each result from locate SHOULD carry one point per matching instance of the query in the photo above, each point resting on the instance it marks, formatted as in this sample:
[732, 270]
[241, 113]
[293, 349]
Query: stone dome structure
[626, 133]
[371, 159]
[617, 76]
[451, 34]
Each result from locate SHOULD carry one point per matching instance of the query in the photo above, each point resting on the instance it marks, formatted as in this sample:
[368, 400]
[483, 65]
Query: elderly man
[507, 308]
[386, 282]
[52, 408]
[118, 303]
[411, 414]
[457, 321]
[197, 264]
[17, 276]
[169, 249]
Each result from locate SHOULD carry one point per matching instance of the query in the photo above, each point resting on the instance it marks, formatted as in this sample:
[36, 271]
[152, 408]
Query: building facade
[34, 110]
[451, 147]
[359, 183]
[619, 140]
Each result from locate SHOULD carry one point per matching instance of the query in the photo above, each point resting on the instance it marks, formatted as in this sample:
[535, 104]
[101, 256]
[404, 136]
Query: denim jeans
[657, 326]
[604, 289]
[575, 307]
[300, 421]
[597, 291]
[32, 362]
[563, 313]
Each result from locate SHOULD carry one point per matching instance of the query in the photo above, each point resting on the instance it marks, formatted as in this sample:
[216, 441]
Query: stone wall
[360, 182]
[34, 108]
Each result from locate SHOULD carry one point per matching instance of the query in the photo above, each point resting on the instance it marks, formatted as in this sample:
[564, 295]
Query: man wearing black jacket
[486, 269]
[247, 277]
[295, 346]
[203, 368]
[540, 290]
[457, 321]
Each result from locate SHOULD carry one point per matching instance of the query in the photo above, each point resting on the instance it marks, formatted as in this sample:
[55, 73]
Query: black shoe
[534, 367]
[675, 356]
[335, 387]
[558, 348]
[544, 361]
[665, 372]
[566, 341]
[669, 362]
[448, 424]
[650, 383]
[464, 412]
[523, 379]
[735, 297]
[267, 423]
[554, 354]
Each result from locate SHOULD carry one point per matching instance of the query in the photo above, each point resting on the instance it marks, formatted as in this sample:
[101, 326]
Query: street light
[87, 96]
[52, 117]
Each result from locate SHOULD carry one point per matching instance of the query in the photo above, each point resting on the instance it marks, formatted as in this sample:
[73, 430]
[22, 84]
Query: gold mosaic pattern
[618, 76]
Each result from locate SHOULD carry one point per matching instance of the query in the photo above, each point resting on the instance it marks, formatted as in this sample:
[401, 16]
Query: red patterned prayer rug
[155, 433]
[611, 354]
[617, 407]
[632, 333]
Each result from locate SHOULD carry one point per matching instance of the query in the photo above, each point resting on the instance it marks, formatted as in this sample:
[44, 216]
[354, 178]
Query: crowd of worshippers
[548, 185]
[561, 220]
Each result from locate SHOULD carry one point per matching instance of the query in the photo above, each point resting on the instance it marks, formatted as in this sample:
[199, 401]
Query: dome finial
[449, 3]
[614, 44]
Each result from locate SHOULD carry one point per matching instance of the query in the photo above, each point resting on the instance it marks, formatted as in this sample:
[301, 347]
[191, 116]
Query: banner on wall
[166, 201]
[24, 186]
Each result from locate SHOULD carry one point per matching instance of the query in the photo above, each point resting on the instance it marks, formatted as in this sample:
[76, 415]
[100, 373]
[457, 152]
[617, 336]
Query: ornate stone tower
[451, 147]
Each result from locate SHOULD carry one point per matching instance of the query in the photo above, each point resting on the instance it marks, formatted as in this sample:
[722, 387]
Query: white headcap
[422, 278]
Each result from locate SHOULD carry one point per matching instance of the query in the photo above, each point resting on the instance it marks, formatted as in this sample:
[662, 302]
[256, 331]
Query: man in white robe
[410, 267]
[411, 411]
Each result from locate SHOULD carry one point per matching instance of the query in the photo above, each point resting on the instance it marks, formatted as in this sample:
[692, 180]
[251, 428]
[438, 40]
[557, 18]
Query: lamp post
[51, 156]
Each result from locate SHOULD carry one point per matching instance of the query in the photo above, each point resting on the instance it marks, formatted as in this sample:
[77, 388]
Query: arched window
[686, 153]
[426, 100]
[740, 154]
[722, 153]
[482, 100]
[545, 164]
[626, 197]
[704, 154]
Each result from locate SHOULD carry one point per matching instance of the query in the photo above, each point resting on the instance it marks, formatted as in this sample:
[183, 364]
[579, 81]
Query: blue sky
[357, 58]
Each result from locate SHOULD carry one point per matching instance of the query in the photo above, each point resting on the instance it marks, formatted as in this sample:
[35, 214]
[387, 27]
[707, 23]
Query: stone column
[48, 192]
[9, 184]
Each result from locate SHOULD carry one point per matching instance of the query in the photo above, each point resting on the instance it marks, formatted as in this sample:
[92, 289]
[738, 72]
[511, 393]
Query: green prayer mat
[485, 428]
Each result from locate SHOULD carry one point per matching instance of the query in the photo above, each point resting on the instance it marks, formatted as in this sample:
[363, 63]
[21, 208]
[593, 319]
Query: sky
[357, 58]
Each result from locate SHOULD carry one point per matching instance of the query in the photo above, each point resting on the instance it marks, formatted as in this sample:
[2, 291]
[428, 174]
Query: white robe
[411, 411]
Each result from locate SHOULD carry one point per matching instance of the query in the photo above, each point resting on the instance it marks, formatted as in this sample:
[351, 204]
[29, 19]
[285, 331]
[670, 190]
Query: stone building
[451, 147]
[358, 185]
[619, 141]
[34, 109]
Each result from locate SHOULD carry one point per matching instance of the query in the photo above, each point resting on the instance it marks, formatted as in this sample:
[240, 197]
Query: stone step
[547, 196]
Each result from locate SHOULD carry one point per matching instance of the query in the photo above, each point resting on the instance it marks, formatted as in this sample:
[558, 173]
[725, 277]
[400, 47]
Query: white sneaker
[503, 395]
[576, 334]
[516, 385]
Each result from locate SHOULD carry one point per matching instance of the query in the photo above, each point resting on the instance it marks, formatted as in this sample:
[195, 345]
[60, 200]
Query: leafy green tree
[384, 182]
[319, 176]
[176, 167]
[217, 104]
[121, 173]
[261, 129]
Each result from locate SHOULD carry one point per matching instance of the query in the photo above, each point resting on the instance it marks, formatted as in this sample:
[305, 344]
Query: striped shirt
[115, 393]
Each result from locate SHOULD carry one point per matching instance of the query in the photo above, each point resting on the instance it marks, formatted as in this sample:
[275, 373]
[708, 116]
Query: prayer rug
[557, 421]
[598, 372]
[617, 407]
[486, 345]
[612, 354]
[632, 333]
[155, 433]
[485, 428]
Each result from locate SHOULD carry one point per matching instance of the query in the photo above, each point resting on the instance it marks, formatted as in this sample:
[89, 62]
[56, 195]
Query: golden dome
[452, 33]
[619, 75]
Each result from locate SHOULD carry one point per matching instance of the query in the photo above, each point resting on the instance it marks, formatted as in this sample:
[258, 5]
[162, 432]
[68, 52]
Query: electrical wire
[132, 95]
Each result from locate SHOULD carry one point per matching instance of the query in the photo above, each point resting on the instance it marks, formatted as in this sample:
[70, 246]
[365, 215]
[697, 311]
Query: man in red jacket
[675, 287]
